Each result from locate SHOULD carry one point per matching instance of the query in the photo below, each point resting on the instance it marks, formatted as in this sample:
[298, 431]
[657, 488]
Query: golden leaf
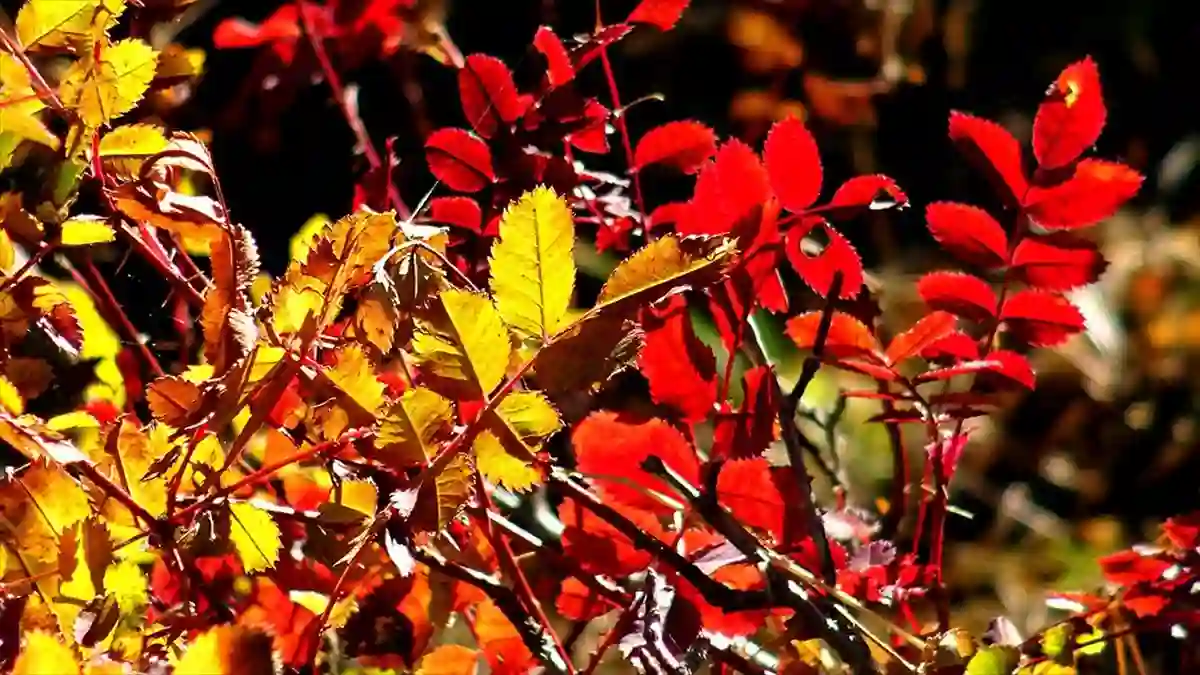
[106, 89]
[449, 660]
[410, 425]
[45, 653]
[10, 398]
[533, 264]
[441, 500]
[173, 400]
[514, 432]
[136, 455]
[65, 23]
[43, 501]
[664, 265]
[125, 148]
[255, 536]
[466, 345]
[127, 584]
[502, 467]
[19, 106]
[227, 650]
[85, 230]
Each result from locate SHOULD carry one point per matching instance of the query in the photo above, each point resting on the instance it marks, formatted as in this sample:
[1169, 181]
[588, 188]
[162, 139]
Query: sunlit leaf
[466, 344]
[254, 535]
[102, 90]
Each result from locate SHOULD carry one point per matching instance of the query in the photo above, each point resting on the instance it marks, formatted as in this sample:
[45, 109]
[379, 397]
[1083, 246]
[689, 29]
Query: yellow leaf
[127, 584]
[227, 650]
[665, 264]
[50, 502]
[7, 253]
[441, 500]
[500, 466]
[178, 62]
[100, 342]
[84, 230]
[360, 495]
[43, 654]
[515, 431]
[467, 346]
[10, 398]
[375, 320]
[533, 264]
[59, 23]
[133, 140]
[107, 89]
[449, 660]
[255, 536]
[20, 104]
[355, 375]
[136, 455]
[306, 236]
[72, 420]
[173, 400]
[410, 425]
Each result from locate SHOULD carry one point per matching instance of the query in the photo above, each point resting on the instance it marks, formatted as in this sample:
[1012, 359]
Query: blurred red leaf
[1059, 261]
[968, 232]
[685, 145]
[793, 163]
[925, 332]
[966, 295]
[990, 145]
[818, 270]
[1183, 530]
[1071, 117]
[957, 346]
[1013, 369]
[559, 69]
[462, 161]
[577, 602]
[748, 431]
[848, 337]
[489, 95]
[281, 30]
[1095, 192]
[1127, 568]
[681, 369]
[1041, 318]
[461, 212]
[663, 14]
[610, 445]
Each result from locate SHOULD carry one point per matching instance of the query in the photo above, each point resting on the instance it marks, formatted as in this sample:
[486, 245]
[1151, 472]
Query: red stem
[619, 118]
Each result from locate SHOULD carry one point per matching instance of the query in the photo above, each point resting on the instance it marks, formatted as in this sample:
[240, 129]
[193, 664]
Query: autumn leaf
[355, 375]
[1041, 318]
[449, 660]
[963, 294]
[19, 108]
[1071, 117]
[683, 145]
[968, 232]
[254, 536]
[442, 499]
[52, 502]
[993, 147]
[173, 400]
[793, 164]
[750, 429]
[465, 344]
[729, 189]
[462, 161]
[64, 23]
[817, 266]
[45, 653]
[514, 432]
[461, 212]
[410, 426]
[126, 147]
[662, 14]
[229, 650]
[85, 230]
[489, 95]
[532, 263]
[666, 264]
[925, 332]
[681, 369]
[559, 69]
[847, 335]
[108, 88]
[1094, 192]
[10, 397]
[1058, 261]
[611, 445]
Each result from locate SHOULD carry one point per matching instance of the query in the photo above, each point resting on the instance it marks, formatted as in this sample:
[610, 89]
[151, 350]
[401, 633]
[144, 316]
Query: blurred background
[1108, 444]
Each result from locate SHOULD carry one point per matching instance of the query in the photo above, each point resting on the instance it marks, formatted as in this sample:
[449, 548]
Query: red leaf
[1127, 568]
[727, 190]
[1183, 530]
[991, 145]
[462, 161]
[871, 193]
[614, 234]
[590, 48]
[1013, 369]
[743, 576]
[793, 163]
[577, 602]
[763, 497]
[818, 270]
[684, 145]
[667, 214]
[748, 431]
[489, 95]
[592, 138]
[1071, 117]
[281, 30]
[848, 337]
[681, 369]
[663, 14]
[559, 70]
[598, 546]
[968, 232]
[1041, 318]
[925, 332]
[1057, 262]
[963, 294]
[1095, 192]
[461, 212]
[1145, 602]
[614, 445]
[957, 346]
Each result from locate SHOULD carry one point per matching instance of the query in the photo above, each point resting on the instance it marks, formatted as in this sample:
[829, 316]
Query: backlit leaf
[728, 190]
[611, 445]
[684, 145]
[847, 335]
[449, 660]
[462, 161]
[173, 400]
[817, 268]
[991, 145]
[83, 230]
[793, 163]
[44, 653]
[925, 332]
[410, 425]
[355, 375]
[533, 265]
[1095, 192]
[1058, 261]
[962, 294]
[108, 88]
[465, 344]
[968, 232]
[664, 265]
[559, 69]
[489, 95]
[681, 369]
[61, 23]
[254, 535]
[750, 429]
[662, 14]
[229, 650]
[501, 466]
[1041, 318]
[461, 212]
[1071, 117]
